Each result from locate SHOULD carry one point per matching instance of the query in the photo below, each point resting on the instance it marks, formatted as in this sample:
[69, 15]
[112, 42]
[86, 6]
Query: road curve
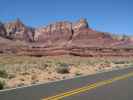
[113, 85]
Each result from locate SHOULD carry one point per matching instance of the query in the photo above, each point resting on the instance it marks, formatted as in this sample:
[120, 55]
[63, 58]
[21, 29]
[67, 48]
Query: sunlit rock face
[63, 34]
[80, 24]
[16, 30]
[60, 38]
[57, 33]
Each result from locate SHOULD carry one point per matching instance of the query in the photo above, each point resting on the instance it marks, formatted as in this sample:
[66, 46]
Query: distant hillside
[63, 34]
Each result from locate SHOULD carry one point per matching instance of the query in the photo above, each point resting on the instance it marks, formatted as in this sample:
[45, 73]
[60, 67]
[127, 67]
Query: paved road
[114, 85]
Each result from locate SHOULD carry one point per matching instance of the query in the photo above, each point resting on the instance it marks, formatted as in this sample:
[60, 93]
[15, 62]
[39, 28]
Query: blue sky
[104, 15]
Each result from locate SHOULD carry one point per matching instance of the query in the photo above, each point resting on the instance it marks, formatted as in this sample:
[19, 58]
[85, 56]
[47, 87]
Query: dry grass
[25, 70]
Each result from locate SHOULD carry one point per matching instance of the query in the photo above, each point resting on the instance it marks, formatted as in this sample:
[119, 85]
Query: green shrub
[2, 84]
[119, 62]
[3, 74]
[61, 64]
[78, 74]
[62, 68]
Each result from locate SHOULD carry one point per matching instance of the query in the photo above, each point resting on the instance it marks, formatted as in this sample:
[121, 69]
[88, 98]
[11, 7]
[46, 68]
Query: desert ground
[17, 71]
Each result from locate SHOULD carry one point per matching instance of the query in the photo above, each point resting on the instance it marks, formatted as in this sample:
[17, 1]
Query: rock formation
[81, 24]
[16, 30]
[67, 33]
[58, 33]
[60, 38]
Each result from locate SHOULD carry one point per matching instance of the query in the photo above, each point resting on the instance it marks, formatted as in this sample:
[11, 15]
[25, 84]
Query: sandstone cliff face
[81, 24]
[16, 30]
[91, 38]
[64, 33]
[60, 38]
[57, 33]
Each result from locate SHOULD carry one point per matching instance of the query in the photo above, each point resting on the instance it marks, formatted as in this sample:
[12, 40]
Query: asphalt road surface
[113, 85]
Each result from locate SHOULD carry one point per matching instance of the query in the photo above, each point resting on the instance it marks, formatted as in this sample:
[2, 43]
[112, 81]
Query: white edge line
[37, 84]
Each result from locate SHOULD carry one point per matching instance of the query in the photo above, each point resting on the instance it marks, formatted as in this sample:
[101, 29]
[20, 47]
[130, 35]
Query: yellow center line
[88, 87]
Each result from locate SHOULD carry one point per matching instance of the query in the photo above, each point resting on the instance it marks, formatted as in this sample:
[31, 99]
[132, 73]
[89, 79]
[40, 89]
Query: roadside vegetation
[2, 84]
[24, 70]
[3, 76]
[62, 68]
